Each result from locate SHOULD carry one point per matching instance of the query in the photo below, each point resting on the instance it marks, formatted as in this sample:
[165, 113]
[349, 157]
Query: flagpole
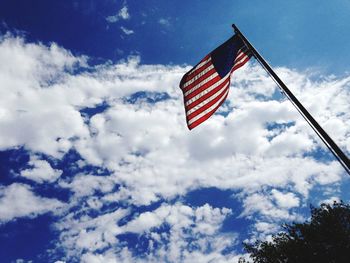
[332, 146]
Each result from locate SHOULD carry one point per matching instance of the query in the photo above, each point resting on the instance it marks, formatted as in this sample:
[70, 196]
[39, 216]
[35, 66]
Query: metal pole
[332, 146]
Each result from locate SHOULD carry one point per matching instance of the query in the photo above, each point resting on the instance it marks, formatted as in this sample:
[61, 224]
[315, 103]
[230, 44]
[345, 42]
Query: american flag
[206, 86]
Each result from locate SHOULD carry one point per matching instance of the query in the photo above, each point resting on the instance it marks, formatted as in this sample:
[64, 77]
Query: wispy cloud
[164, 22]
[123, 14]
[127, 31]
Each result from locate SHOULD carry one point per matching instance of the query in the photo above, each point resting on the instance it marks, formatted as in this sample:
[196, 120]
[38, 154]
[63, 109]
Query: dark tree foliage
[325, 239]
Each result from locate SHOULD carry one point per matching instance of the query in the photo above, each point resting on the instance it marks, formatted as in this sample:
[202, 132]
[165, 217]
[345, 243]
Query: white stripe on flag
[207, 90]
[207, 100]
[201, 64]
[239, 56]
[208, 110]
[198, 76]
[240, 60]
[209, 78]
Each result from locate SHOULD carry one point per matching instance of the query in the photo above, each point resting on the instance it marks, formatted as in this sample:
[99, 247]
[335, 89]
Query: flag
[206, 86]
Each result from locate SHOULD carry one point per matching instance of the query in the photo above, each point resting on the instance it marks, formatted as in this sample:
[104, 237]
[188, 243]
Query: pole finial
[234, 28]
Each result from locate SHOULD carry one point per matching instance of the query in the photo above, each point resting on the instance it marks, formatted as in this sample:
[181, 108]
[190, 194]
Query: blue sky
[298, 34]
[96, 162]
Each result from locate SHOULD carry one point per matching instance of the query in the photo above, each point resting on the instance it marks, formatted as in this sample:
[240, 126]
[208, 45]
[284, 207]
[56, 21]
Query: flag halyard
[205, 87]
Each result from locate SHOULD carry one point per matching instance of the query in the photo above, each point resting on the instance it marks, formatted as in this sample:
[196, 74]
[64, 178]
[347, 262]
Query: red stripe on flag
[202, 88]
[205, 117]
[206, 96]
[239, 56]
[199, 80]
[196, 71]
[208, 105]
[240, 64]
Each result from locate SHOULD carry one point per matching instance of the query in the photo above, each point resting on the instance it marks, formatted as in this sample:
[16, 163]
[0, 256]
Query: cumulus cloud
[258, 146]
[330, 200]
[41, 171]
[33, 111]
[17, 200]
[264, 205]
[285, 200]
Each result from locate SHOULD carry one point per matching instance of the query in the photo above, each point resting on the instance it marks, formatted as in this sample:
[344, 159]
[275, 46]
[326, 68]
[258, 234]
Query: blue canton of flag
[206, 86]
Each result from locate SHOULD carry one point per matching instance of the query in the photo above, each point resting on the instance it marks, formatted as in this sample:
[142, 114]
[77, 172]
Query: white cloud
[197, 228]
[164, 22]
[86, 184]
[122, 14]
[127, 31]
[180, 216]
[266, 228]
[34, 109]
[263, 204]
[115, 135]
[262, 144]
[285, 200]
[17, 200]
[90, 233]
[41, 171]
[330, 200]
